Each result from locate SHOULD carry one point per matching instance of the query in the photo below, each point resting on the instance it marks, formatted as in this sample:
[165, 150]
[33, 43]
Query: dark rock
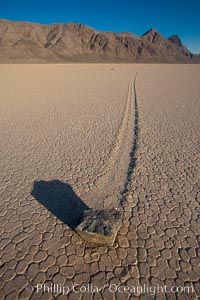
[100, 226]
[175, 40]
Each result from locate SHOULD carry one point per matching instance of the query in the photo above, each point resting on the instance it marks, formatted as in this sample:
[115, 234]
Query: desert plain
[75, 136]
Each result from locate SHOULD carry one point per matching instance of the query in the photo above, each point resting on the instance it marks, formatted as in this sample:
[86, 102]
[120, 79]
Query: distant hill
[24, 42]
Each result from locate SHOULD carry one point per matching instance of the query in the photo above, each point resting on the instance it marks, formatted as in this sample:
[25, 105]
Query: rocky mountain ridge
[24, 42]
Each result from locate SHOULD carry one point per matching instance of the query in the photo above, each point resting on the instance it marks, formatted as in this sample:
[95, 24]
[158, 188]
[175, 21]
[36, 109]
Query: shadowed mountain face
[35, 43]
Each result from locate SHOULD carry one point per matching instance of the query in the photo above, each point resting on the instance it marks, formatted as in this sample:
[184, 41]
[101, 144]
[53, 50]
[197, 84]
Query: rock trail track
[116, 176]
[158, 243]
[132, 158]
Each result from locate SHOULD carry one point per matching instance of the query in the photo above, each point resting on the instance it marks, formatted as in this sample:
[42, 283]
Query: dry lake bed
[75, 136]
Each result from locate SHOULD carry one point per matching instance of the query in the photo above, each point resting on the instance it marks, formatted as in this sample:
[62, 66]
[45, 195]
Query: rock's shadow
[60, 199]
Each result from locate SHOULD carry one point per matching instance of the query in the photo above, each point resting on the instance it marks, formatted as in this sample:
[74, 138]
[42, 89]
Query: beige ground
[73, 125]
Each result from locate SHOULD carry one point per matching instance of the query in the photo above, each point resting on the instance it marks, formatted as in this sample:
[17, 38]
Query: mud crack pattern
[158, 242]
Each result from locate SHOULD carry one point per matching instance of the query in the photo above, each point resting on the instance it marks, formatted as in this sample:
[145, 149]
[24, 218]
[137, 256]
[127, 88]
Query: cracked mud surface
[73, 125]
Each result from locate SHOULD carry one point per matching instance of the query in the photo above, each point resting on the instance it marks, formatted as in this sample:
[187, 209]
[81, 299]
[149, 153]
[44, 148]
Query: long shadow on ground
[60, 199]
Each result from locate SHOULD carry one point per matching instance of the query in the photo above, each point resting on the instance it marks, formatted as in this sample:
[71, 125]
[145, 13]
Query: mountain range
[24, 42]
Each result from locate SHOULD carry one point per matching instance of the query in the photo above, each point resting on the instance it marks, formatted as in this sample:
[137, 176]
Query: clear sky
[136, 16]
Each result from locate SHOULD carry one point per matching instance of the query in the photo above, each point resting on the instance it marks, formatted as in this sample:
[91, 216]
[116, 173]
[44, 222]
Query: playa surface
[67, 132]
